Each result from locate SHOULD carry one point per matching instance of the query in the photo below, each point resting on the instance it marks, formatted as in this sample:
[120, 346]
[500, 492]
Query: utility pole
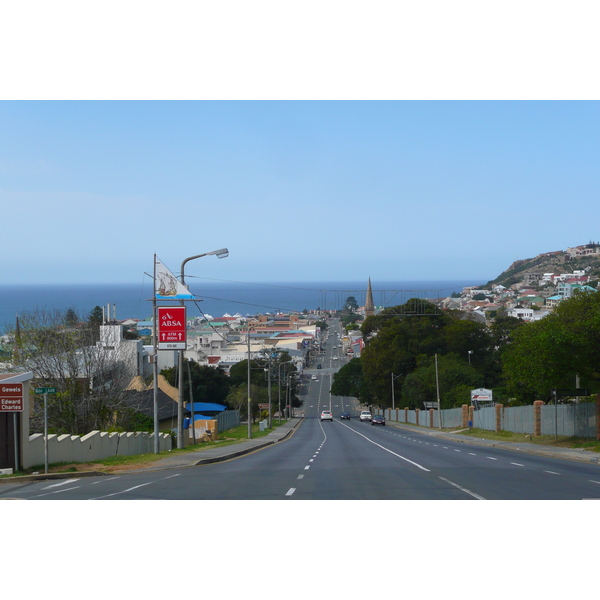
[249, 396]
[437, 384]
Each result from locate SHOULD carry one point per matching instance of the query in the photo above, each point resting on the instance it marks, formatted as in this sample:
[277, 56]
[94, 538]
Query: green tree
[351, 304]
[208, 384]
[551, 352]
[456, 380]
[349, 381]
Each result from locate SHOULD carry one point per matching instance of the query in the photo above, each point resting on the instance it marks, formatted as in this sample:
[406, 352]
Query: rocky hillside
[550, 262]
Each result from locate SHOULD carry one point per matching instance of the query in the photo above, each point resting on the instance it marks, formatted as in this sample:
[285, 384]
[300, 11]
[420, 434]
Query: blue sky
[297, 190]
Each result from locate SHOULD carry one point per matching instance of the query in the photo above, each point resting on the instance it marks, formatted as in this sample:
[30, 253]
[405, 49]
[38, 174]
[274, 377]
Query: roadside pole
[45, 432]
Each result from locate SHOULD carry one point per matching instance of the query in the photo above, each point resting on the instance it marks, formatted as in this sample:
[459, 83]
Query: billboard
[172, 334]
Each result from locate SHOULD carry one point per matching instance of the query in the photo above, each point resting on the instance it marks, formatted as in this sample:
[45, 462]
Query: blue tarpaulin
[206, 407]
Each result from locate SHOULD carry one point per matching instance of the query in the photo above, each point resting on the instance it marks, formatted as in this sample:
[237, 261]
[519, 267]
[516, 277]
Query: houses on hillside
[531, 300]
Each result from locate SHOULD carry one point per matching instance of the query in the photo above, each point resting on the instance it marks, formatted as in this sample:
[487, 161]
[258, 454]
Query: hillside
[549, 262]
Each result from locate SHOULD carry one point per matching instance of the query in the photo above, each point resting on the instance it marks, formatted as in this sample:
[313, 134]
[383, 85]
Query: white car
[326, 415]
[314, 377]
[365, 415]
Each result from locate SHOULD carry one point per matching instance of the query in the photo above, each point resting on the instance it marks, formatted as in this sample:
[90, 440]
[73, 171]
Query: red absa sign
[171, 328]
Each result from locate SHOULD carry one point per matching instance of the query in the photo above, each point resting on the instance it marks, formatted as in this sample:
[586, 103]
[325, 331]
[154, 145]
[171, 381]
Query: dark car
[378, 420]
[345, 415]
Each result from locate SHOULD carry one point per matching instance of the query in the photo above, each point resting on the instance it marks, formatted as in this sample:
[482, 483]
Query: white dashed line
[290, 491]
[517, 464]
[552, 472]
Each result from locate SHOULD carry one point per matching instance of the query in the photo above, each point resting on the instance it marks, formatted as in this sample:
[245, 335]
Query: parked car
[326, 415]
[314, 377]
[378, 420]
[365, 415]
[345, 415]
[319, 366]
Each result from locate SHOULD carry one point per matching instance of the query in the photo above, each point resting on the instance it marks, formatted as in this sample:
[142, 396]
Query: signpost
[171, 328]
[45, 391]
[11, 397]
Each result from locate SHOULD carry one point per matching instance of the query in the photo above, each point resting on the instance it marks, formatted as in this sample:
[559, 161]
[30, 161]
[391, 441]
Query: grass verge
[579, 443]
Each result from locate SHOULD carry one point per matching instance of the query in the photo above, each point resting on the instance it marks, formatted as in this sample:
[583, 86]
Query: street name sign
[11, 397]
[171, 328]
[46, 390]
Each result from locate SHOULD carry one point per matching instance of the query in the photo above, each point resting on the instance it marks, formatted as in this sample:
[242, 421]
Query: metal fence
[564, 420]
[569, 419]
[228, 419]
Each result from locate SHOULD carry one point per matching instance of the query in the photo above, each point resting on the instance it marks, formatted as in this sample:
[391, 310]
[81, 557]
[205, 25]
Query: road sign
[11, 397]
[264, 406]
[171, 328]
[46, 390]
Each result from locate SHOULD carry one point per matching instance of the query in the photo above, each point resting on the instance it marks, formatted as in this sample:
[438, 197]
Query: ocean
[215, 298]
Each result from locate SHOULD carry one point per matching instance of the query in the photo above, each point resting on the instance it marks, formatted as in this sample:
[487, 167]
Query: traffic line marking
[552, 472]
[60, 483]
[517, 464]
[290, 491]
[463, 489]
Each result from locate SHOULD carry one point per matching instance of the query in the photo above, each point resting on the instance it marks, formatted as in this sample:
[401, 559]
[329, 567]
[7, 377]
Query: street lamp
[469, 352]
[289, 393]
[279, 385]
[222, 253]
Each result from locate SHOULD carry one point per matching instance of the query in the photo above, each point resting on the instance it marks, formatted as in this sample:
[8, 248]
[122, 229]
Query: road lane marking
[60, 483]
[552, 472]
[57, 491]
[300, 477]
[463, 489]
[388, 450]
[135, 487]
[517, 464]
[290, 491]
[307, 467]
[491, 458]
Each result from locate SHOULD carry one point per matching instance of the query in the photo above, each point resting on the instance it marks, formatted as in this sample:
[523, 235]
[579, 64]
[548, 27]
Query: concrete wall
[96, 445]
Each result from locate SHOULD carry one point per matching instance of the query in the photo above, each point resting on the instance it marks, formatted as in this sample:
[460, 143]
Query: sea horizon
[214, 297]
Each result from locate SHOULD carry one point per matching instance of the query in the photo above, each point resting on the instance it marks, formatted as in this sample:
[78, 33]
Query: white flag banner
[166, 285]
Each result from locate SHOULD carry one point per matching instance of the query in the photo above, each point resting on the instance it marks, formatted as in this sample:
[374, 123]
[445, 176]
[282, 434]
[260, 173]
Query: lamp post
[289, 393]
[279, 385]
[469, 352]
[222, 253]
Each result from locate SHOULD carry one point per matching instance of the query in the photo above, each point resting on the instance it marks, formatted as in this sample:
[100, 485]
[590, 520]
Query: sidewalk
[539, 449]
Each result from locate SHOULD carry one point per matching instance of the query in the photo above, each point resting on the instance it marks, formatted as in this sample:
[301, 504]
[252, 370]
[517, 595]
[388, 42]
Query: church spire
[369, 306]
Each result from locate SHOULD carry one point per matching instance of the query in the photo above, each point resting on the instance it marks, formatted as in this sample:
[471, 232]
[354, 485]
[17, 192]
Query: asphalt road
[343, 460]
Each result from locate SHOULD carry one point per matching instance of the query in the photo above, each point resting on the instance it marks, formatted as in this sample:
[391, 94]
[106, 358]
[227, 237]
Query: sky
[298, 181]
[296, 190]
